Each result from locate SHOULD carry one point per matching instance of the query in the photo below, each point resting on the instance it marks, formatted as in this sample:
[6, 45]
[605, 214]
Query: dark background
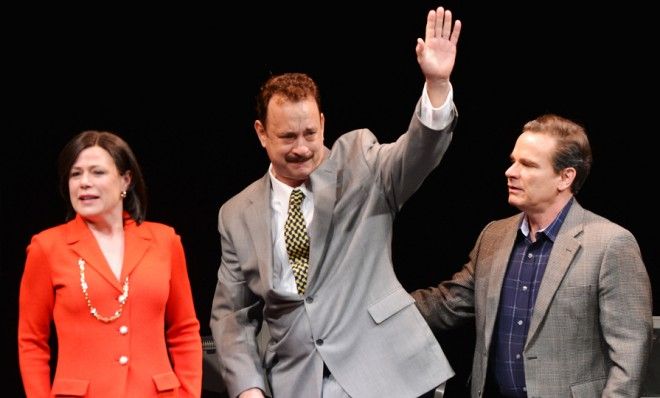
[179, 86]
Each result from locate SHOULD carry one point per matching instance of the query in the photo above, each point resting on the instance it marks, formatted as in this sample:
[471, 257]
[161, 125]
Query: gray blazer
[590, 333]
[354, 316]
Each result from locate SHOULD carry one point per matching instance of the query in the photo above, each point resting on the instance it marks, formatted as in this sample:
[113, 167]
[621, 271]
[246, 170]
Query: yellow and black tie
[297, 240]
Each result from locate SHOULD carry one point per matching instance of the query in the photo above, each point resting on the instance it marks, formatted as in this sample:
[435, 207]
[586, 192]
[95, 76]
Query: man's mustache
[292, 158]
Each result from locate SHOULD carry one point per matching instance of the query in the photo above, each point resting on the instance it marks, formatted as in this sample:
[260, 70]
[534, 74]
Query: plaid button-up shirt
[519, 290]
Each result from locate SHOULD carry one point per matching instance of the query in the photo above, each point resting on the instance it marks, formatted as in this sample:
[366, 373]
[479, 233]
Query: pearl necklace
[122, 298]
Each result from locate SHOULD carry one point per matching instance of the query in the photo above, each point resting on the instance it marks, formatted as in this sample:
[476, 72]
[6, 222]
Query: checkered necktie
[297, 240]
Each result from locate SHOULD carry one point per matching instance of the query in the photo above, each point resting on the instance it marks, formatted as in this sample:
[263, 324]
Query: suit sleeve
[235, 321]
[36, 301]
[625, 315]
[402, 166]
[451, 303]
[182, 326]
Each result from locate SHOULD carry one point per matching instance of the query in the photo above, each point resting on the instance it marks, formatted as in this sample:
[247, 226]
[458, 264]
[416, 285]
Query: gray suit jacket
[590, 333]
[354, 316]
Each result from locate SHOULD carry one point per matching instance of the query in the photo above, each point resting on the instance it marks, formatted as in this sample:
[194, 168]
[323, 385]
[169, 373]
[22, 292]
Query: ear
[566, 177]
[261, 132]
[322, 124]
[127, 177]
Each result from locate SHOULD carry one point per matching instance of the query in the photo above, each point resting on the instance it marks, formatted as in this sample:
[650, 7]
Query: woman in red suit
[115, 286]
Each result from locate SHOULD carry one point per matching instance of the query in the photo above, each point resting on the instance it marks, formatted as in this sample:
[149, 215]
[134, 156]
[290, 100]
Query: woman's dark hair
[135, 202]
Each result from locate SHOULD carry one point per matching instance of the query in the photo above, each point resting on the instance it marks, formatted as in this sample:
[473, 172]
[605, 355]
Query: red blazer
[152, 350]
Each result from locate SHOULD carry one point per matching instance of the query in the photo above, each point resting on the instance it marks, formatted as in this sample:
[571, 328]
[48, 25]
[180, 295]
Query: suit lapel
[324, 187]
[500, 260]
[137, 240]
[259, 228]
[561, 257]
[83, 243]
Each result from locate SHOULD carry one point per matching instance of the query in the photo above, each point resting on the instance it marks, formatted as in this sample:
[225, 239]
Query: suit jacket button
[319, 342]
[309, 300]
[123, 360]
[123, 329]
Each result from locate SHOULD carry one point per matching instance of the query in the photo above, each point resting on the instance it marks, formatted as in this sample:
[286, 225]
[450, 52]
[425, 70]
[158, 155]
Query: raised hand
[436, 53]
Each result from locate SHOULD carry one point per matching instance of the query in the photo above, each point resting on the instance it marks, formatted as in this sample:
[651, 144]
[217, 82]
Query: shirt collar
[551, 230]
[282, 191]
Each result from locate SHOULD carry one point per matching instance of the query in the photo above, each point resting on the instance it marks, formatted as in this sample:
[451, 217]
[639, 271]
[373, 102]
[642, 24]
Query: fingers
[456, 33]
[439, 25]
[443, 23]
[430, 26]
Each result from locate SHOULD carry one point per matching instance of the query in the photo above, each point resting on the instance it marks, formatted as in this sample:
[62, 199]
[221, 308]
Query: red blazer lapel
[81, 240]
[137, 240]
[83, 243]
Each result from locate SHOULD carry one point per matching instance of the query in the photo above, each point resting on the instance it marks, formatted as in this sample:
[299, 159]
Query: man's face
[293, 138]
[533, 184]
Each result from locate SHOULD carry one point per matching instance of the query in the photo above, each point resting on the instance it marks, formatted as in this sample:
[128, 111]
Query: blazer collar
[563, 252]
[324, 183]
[137, 240]
[499, 263]
[259, 224]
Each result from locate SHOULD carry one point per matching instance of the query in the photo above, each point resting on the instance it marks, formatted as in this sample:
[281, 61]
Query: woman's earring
[123, 194]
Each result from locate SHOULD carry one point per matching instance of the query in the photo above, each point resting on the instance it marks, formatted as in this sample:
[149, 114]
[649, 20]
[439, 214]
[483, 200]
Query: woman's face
[95, 185]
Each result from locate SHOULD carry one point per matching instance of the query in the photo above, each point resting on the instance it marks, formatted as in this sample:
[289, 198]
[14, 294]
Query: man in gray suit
[561, 296]
[340, 322]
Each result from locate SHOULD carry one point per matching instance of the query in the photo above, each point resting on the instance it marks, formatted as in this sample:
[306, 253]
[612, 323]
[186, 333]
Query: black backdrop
[178, 85]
